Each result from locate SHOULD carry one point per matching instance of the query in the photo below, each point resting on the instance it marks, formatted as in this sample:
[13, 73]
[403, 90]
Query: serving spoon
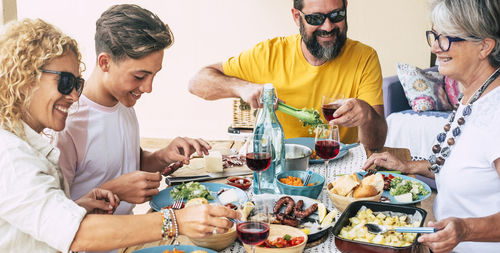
[306, 181]
[380, 229]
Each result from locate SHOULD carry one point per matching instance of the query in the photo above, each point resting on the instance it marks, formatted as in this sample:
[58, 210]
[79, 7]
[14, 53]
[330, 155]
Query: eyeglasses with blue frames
[316, 19]
[444, 41]
[67, 82]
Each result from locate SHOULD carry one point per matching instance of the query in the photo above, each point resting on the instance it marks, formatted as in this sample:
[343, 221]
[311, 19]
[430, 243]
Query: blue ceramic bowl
[307, 191]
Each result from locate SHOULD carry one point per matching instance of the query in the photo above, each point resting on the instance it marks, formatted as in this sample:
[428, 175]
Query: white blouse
[36, 214]
[468, 185]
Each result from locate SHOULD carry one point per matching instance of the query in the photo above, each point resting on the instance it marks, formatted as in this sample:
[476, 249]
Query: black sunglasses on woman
[67, 82]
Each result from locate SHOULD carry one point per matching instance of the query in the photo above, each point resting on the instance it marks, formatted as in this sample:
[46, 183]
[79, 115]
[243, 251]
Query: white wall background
[208, 31]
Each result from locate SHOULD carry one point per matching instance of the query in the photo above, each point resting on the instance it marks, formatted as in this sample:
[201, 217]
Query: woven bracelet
[166, 223]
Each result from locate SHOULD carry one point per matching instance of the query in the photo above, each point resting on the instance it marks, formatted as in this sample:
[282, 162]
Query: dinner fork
[177, 203]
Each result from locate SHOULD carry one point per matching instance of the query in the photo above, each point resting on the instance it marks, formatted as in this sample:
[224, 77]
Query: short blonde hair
[25, 47]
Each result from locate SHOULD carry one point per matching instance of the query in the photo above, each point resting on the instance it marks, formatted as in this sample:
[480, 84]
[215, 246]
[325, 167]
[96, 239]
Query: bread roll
[364, 190]
[376, 180]
[345, 184]
[196, 201]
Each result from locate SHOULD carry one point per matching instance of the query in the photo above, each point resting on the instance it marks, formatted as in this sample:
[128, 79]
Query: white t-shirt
[98, 144]
[36, 214]
[468, 184]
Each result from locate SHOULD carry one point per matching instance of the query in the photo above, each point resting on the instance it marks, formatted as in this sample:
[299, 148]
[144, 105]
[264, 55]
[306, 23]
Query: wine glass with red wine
[330, 104]
[258, 155]
[256, 230]
[327, 143]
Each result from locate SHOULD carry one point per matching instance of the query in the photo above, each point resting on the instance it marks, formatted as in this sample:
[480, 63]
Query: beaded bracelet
[174, 222]
[166, 223]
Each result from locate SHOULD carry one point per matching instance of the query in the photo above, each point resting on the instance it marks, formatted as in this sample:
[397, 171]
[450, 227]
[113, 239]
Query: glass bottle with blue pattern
[269, 126]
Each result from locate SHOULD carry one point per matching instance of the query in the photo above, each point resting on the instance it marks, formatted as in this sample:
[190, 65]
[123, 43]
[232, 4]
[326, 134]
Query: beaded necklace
[440, 153]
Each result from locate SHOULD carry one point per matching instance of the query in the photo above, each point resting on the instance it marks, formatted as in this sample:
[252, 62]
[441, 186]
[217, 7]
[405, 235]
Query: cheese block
[225, 151]
[213, 162]
[197, 163]
[404, 198]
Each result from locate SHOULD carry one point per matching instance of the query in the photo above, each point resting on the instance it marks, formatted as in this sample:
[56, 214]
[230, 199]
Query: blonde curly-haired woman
[39, 80]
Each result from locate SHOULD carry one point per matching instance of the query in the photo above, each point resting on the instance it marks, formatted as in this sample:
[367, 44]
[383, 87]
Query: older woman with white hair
[466, 156]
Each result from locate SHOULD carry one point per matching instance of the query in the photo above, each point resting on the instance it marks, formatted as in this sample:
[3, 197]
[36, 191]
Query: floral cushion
[424, 90]
[452, 89]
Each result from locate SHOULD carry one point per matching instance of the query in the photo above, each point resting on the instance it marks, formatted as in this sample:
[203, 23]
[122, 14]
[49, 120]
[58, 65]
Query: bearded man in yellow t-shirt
[320, 61]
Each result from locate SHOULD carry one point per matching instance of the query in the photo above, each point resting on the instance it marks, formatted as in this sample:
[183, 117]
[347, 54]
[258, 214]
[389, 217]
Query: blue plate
[391, 198]
[309, 142]
[161, 249]
[163, 198]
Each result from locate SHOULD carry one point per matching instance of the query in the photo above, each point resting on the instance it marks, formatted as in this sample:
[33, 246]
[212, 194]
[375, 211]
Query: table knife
[209, 176]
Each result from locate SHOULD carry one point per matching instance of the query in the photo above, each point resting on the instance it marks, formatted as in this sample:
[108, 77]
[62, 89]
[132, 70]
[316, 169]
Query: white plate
[315, 231]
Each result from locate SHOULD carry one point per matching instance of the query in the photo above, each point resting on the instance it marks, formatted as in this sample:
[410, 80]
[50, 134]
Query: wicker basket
[341, 202]
[243, 114]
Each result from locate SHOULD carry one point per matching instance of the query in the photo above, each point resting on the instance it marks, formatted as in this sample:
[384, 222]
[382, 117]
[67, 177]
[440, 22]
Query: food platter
[163, 199]
[309, 142]
[161, 249]
[311, 222]
[391, 198]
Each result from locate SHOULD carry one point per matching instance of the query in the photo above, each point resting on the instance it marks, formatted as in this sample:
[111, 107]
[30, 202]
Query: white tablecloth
[350, 163]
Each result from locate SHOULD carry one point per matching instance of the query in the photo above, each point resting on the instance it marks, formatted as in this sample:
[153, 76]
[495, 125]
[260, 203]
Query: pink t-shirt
[98, 144]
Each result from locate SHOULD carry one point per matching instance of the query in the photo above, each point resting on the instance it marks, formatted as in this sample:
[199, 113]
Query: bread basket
[341, 202]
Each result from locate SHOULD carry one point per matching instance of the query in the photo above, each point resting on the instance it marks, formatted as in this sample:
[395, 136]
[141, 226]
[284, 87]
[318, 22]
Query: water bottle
[268, 125]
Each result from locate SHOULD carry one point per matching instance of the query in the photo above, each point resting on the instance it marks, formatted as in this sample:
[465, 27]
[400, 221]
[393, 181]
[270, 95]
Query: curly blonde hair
[25, 47]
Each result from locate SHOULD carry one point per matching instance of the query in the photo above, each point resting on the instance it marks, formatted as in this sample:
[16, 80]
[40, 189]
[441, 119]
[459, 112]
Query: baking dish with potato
[350, 236]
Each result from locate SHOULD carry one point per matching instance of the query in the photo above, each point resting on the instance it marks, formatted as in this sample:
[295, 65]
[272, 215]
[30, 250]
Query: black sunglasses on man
[67, 82]
[316, 19]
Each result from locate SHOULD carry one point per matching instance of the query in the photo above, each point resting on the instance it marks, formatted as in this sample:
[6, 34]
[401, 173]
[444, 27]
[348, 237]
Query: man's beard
[328, 52]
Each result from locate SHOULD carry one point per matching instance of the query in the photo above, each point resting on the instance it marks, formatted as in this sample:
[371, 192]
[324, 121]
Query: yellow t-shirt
[355, 72]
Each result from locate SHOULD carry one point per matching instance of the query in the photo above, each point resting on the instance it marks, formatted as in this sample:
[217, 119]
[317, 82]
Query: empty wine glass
[330, 104]
[327, 144]
[258, 155]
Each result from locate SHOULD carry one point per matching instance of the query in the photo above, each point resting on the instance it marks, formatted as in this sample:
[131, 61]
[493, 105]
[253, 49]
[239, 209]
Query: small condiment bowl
[307, 191]
[240, 182]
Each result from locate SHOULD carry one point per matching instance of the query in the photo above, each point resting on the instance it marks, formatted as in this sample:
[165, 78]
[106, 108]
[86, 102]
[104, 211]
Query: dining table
[349, 163]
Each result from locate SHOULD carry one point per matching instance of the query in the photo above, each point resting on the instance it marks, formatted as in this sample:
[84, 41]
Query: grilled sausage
[171, 168]
[286, 200]
[286, 219]
[299, 213]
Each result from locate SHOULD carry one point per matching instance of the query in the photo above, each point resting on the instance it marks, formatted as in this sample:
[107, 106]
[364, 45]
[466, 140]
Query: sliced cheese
[213, 162]
[197, 163]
